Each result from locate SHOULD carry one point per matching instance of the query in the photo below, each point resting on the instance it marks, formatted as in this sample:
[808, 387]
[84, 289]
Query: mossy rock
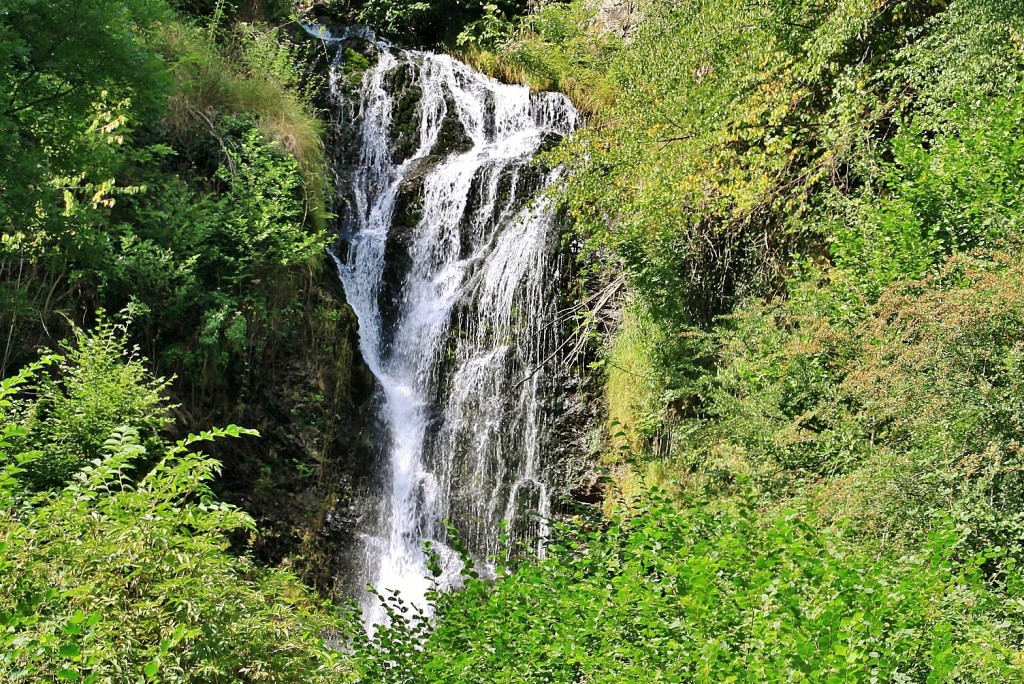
[407, 216]
[355, 63]
[405, 123]
[452, 138]
[302, 480]
[467, 236]
[417, 171]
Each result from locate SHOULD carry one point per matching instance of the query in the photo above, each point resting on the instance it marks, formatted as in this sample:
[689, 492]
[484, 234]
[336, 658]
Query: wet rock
[589, 488]
[452, 137]
[407, 216]
[405, 115]
[416, 172]
[549, 142]
[316, 455]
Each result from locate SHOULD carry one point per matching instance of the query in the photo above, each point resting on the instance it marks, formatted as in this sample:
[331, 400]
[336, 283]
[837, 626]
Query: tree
[57, 60]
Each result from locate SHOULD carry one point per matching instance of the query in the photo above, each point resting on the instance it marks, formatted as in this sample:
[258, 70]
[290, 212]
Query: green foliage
[944, 193]
[939, 385]
[551, 48]
[795, 160]
[434, 23]
[209, 271]
[267, 53]
[57, 60]
[491, 30]
[674, 594]
[818, 208]
[740, 135]
[123, 574]
[175, 171]
[206, 219]
[93, 390]
[263, 210]
[253, 72]
[902, 410]
[218, 15]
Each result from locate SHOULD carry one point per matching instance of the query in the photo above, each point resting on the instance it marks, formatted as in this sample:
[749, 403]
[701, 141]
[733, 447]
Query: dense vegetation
[814, 389]
[122, 574]
[676, 593]
[820, 217]
[168, 166]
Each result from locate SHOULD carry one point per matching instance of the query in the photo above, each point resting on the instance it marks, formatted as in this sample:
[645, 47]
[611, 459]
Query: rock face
[618, 17]
[299, 479]
[404, 119]
[408, 214]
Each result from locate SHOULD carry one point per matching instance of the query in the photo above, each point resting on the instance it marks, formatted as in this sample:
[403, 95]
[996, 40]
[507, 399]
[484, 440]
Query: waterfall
[449, 257]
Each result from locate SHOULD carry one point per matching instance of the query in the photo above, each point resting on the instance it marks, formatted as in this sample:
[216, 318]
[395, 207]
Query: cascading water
[450, 264]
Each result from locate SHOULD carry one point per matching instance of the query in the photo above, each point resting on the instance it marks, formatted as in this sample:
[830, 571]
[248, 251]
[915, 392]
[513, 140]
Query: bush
[902, 410]
[215, 272]
[674, 594]
[940, 385]
[944, 193]
[93, 389]
[122, 575]
[259, 76]
[431, 23]
[58, 60]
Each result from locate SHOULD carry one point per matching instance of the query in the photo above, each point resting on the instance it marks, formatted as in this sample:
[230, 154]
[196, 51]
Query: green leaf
[151, 668]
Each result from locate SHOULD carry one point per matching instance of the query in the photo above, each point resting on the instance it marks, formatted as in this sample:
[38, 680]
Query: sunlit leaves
[671, 594]
[56, 60]
[124, 575]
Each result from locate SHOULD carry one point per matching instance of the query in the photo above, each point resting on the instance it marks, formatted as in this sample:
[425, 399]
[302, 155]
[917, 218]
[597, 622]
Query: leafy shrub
[260, 78]
[904, 409]
[553, 47]
[777, 396]
[263, 211]
[944, 193]
[488, 32]
[764, 174]
[122, 575]
[57, 60]
[431, 23]
[215, 275]
[940, 384]
[93, 390]
[672, 594]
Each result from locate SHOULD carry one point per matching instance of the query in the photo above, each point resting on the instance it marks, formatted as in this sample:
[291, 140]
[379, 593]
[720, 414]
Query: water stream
[451, 263]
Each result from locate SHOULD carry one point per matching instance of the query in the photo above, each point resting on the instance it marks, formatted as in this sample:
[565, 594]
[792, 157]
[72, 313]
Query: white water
[458, 345]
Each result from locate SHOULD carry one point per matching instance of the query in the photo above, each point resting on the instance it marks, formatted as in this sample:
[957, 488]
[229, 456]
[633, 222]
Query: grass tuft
[215, 80]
